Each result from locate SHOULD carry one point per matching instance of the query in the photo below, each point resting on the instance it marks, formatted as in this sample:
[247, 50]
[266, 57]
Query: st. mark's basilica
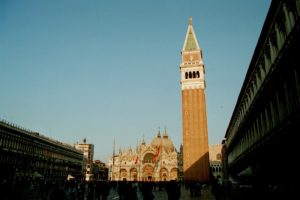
[156, 161]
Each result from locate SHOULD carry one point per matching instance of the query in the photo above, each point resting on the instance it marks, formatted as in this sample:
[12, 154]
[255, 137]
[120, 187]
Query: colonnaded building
[25, 154]
[157, 161]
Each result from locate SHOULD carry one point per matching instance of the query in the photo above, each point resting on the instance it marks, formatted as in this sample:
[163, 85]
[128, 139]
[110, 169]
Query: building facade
[262, 137]
[215, 160]
[194, 120]
[100, 170]
[25, 154]
[180, 164]
[88, 155]
[156, 161]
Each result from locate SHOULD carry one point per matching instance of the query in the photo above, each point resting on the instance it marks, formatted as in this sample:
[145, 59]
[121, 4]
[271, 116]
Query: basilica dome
[165, 142]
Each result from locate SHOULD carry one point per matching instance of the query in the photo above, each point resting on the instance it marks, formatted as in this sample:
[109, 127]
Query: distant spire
[143, 142]
[158, 133]
[165, 135]
[114, 147]
[113, 165]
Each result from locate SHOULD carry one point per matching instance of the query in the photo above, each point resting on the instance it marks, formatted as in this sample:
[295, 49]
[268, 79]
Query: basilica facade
[156, 161]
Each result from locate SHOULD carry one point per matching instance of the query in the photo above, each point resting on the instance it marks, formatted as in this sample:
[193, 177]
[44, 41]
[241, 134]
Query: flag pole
[113, 164]
[161, 153]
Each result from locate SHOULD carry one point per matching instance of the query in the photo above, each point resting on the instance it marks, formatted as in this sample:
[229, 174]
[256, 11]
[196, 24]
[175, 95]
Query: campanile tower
[194, 122]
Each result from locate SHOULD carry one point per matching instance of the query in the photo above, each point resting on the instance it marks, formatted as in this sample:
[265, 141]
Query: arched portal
[148, 172]
[163, 174]
[174, 174]
[133, 174]
[123, 174]
[148, 158]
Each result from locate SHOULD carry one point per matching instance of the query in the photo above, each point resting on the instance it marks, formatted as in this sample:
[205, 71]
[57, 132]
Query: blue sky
[106, 70]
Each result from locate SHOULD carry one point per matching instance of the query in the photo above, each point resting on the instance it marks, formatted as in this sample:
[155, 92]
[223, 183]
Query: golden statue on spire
[190, 20]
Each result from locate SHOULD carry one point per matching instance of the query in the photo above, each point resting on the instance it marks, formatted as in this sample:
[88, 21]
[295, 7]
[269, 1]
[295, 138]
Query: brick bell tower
[194, 122]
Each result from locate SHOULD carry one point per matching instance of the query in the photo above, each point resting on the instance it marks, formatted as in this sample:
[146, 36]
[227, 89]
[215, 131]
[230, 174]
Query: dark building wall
[262, 136]
[26, 154]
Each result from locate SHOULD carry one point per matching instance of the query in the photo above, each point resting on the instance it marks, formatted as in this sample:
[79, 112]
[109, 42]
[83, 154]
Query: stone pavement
[162, 195]
[206, 194]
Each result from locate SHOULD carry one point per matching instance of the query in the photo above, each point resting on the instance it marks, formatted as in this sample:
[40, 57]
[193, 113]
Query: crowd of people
[40, 189]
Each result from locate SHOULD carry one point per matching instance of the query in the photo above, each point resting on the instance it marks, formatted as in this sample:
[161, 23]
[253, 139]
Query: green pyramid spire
[191, 42]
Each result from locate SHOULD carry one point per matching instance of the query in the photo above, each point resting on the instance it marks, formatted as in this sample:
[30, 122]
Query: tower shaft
[194, 119]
